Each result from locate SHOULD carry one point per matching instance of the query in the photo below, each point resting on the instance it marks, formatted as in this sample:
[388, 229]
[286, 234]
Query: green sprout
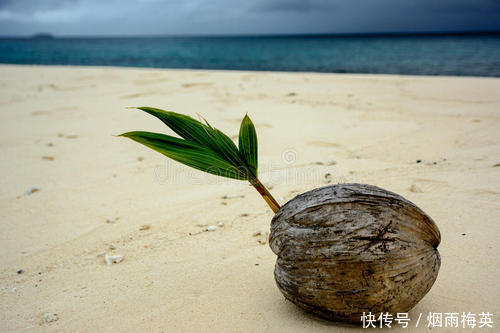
[205, 148]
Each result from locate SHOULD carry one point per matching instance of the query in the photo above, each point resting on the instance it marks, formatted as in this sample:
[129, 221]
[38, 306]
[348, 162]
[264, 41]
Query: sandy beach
[72, 192]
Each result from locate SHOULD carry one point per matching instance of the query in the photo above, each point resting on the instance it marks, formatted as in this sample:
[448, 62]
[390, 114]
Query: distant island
[42, 35]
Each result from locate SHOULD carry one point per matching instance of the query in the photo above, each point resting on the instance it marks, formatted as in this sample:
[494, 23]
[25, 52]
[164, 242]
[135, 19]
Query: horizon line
[257, 35]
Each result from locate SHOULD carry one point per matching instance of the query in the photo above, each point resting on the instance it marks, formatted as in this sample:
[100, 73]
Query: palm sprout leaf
[185, 126]
[188, 153]
[225, 146]
[202, 146]
[248, 144]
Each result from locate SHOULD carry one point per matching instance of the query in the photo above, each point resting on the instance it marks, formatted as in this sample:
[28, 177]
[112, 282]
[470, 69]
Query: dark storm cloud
[160, 17]
[461, 5]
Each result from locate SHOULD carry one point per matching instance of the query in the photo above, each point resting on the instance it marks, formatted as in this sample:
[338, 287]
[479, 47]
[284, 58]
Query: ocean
[463, 55]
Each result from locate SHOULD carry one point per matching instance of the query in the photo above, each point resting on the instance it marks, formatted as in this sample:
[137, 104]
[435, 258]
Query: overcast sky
[177, 17]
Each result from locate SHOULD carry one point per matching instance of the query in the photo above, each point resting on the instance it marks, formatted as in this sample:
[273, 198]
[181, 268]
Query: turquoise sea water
[470, 55]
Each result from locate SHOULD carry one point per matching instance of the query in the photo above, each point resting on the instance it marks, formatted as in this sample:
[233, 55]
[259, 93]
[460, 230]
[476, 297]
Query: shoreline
[246, 71]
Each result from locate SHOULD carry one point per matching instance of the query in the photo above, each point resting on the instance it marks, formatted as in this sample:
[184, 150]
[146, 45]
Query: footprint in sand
[136, 95]
[42, 87]
[428, 185]
[45, 112]
[196, 84]
[486, 193]
[67, 136]
[415, 189]
[40, 113]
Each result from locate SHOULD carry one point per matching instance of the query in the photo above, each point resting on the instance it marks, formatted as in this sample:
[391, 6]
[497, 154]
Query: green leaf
[204, 139]
[189, 153]
[226, 147]
[248, 144]
[195, 131]
[185, 126]
[205, 148]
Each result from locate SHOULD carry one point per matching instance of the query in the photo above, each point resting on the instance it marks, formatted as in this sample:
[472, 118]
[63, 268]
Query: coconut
[352, 248]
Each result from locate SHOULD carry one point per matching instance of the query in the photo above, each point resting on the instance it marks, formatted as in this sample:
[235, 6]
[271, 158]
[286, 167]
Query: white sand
[374, 127]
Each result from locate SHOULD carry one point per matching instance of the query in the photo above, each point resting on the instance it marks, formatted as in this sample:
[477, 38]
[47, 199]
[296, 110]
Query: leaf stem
[265, 194]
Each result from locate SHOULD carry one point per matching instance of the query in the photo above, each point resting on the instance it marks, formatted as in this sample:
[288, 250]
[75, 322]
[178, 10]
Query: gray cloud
[464, 6]
[294, 5]
[28, 7]
[160, 17]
